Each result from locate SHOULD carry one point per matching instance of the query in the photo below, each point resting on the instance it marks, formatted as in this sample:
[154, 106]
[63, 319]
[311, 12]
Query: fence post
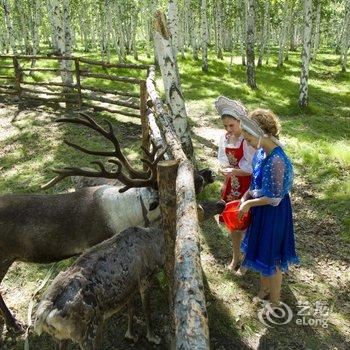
[77, 77]
[18, 75]
[167, 173]
[143, 114]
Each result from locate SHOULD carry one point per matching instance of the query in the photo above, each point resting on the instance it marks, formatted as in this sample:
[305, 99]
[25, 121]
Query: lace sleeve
[222, 158]
[277, 176]
[246, 162]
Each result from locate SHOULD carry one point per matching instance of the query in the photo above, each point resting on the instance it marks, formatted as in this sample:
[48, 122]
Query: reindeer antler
[136, 178]
[90, 123]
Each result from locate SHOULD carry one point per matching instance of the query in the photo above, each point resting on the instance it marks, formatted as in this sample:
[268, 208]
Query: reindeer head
[122, 170]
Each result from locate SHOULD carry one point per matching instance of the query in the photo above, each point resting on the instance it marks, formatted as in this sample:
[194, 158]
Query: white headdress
[233, 108]
[253, 128]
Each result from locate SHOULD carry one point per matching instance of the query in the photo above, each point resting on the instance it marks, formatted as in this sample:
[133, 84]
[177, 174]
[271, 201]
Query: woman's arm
[234, 171]
[246, 196]
[249, 203]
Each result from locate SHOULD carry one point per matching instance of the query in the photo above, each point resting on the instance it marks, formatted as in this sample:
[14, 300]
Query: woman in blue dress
[269, 245]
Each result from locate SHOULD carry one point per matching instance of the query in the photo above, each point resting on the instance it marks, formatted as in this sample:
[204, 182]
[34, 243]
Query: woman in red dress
[235, 158]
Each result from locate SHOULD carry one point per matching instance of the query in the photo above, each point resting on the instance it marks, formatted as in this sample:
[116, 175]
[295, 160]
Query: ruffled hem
[268, 271]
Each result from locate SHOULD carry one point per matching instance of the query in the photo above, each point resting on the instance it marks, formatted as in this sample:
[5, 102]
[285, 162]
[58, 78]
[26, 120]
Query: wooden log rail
[187, 301]
[83, 94]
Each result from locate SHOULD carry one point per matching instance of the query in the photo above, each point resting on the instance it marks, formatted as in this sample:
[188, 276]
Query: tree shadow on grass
[223, 332]
[33, 153]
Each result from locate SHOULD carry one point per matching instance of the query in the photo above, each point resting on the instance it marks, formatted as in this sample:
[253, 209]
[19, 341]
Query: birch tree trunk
[134, 23]
[51, 18]
[345, 37]
[293, 29]
[218, 26]
[316, 41]
[304, 76]
[283, 33]
[241, 22]
[264, 31]
[67, 77]
[174, 97]
[57, 36]
[173, 22]
[9, 26]
[204, 30]
[36, 26]
[250, 45]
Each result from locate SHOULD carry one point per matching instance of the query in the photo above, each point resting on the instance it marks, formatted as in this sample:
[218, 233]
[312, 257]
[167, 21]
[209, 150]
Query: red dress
[235, 186]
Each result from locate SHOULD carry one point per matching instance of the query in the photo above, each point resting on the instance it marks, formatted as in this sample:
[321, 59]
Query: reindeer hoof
[153, 339]
[133, 337]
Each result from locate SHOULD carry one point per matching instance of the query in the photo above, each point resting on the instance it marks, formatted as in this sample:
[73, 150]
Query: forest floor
[318, 142]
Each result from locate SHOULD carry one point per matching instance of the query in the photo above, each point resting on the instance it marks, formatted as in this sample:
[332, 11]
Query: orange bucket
[230, 216]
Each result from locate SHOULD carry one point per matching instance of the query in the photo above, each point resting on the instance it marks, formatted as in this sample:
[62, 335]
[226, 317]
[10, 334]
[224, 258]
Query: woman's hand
[243, 209]
[228, 171]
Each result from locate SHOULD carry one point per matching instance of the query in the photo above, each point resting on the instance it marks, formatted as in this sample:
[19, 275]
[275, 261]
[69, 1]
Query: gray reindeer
[99, 284]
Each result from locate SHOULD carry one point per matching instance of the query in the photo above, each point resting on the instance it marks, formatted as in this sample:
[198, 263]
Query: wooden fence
[78, 93]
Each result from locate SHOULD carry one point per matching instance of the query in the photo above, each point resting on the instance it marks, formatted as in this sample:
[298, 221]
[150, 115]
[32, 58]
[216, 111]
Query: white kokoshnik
[233, 108]
[252, 128]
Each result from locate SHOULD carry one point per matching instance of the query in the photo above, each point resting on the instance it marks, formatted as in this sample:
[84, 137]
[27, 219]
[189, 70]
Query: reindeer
[49, 228]
[98, 285]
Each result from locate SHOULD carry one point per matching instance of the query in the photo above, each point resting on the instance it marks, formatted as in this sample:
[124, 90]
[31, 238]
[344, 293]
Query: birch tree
[345, 42]
[218, 28]
[204, 32]
[283, 33]
[304, 76]
[250, 45]
[242, 29]
[266, 24]
[316, 37]
[173, 93]
[173, 22]
[9, 26]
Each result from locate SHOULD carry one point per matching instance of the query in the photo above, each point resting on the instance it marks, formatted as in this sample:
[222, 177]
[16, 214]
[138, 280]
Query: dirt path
[323, 277]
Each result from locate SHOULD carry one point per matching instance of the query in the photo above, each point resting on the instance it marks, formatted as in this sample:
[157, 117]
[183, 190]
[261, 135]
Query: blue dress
[269, 240]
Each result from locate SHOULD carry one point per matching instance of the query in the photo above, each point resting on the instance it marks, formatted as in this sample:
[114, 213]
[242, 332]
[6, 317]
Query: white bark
[218, 27]
[173, 93]
[204, 31]
[241, 22]
[67, 77]
[173, 22]
[36, 26]
[9, 26]
[345, 37]
[266, 23]
[283, 33]
[316, 41]
[304, 76]
[250, 45]
[51, 18]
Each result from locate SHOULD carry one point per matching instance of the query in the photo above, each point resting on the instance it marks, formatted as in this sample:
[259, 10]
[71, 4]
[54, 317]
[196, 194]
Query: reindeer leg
[144, 285]
[11, 323]
[130, 333]
[93, 334]
[63, 345]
